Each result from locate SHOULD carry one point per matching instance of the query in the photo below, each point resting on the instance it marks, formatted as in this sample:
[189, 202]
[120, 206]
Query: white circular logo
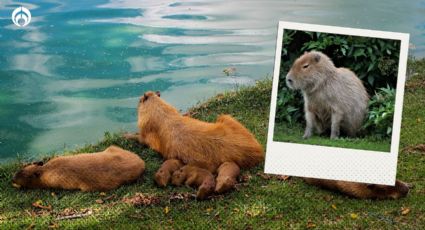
[21, 16]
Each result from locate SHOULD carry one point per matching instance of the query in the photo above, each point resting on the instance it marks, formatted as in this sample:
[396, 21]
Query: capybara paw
[225, 185]
[162, 179]
[307, 135]
[204, 192]
[334, 136]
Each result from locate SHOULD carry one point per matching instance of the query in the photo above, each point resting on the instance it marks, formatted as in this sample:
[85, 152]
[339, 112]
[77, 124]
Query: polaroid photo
[336, 103]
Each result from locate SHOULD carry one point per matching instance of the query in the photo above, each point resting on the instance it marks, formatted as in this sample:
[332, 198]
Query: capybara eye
[305, 66]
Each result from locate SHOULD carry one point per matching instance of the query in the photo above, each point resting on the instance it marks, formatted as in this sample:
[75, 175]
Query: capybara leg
[310, 123]
[319, 127]
[191, 180]
[336, 121]
[228, 173]
[163, 175]
[86, 188]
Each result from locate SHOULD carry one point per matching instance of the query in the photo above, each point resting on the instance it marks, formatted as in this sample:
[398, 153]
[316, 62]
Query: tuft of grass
[263, 202]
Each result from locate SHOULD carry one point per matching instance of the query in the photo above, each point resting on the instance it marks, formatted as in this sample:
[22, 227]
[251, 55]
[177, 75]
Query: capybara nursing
[334, 98]
[228, 173]
[164, 173]
[362, 190]
[100, 171]
[195, 177]
[206, 145]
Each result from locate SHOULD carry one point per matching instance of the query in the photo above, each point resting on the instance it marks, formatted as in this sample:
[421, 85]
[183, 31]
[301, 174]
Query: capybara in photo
[164, 173]
[334, 98]
[363, 190]
[99, 171]
[228, 173]
[195, 142]
[195, 177]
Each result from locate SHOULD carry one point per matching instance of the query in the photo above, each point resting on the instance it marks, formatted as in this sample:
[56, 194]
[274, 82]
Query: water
[78, 69]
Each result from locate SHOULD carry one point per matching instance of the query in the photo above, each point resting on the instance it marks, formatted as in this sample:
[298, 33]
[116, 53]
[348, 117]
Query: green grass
[260, 202]
[294, 133]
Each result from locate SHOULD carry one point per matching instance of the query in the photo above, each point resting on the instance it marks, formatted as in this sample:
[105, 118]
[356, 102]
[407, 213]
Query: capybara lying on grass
[194, 142]
[100, 171]
[362, 190]
[195, 177]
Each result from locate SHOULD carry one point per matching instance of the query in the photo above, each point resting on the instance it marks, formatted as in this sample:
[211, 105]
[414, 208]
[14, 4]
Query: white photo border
[335, 163]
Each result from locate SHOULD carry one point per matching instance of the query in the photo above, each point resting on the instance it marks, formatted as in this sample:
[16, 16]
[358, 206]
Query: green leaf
[343, 51]
[371, 65]
[359, 52]
[370, 79]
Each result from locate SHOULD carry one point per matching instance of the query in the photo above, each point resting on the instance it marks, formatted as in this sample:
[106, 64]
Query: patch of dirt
[140, 199]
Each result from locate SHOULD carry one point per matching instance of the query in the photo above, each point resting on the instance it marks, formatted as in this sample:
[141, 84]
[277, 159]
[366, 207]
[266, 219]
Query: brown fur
[334, 98]
[163, 175]
[195, 177]
[363, 191]
[206, 145]
[100, 171]
[228, 172]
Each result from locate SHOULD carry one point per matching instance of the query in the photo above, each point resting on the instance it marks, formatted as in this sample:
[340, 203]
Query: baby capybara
[228, 172]
[195, 177]
[334, 98]
[164, 173]
[100, 171]
[362, 190]
[195, 142]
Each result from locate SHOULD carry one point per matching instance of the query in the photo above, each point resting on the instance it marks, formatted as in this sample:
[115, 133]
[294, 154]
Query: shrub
[379, 121]
[289, 106]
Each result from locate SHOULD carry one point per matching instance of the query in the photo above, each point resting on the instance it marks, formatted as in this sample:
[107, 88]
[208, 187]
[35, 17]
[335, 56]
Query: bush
[374, 60]
[381, 112]
[289, 106]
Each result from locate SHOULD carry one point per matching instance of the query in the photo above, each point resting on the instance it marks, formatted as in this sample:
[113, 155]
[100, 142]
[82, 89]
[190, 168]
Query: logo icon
[21, 16]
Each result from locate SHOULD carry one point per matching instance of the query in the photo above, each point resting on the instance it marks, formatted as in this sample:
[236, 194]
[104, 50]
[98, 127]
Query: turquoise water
[78, 69]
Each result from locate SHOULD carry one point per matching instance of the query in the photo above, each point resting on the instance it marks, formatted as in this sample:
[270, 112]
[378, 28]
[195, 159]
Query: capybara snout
[28, 177]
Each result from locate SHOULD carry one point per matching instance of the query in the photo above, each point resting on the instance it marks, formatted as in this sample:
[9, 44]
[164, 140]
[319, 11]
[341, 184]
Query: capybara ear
[39, 163]
[145, 97]
[317, 57]
[158, 93]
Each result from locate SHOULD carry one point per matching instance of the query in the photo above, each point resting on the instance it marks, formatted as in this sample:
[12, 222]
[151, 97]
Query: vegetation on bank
[260, 201]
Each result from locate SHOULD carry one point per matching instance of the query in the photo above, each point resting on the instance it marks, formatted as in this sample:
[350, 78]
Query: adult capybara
[334, 98]
[100, 171]
[195, 142]
[195, 177]
[362, 190]
[164, 173]
[228, 172]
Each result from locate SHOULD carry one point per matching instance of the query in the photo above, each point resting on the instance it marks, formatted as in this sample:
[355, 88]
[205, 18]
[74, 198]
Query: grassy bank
[260, 201]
